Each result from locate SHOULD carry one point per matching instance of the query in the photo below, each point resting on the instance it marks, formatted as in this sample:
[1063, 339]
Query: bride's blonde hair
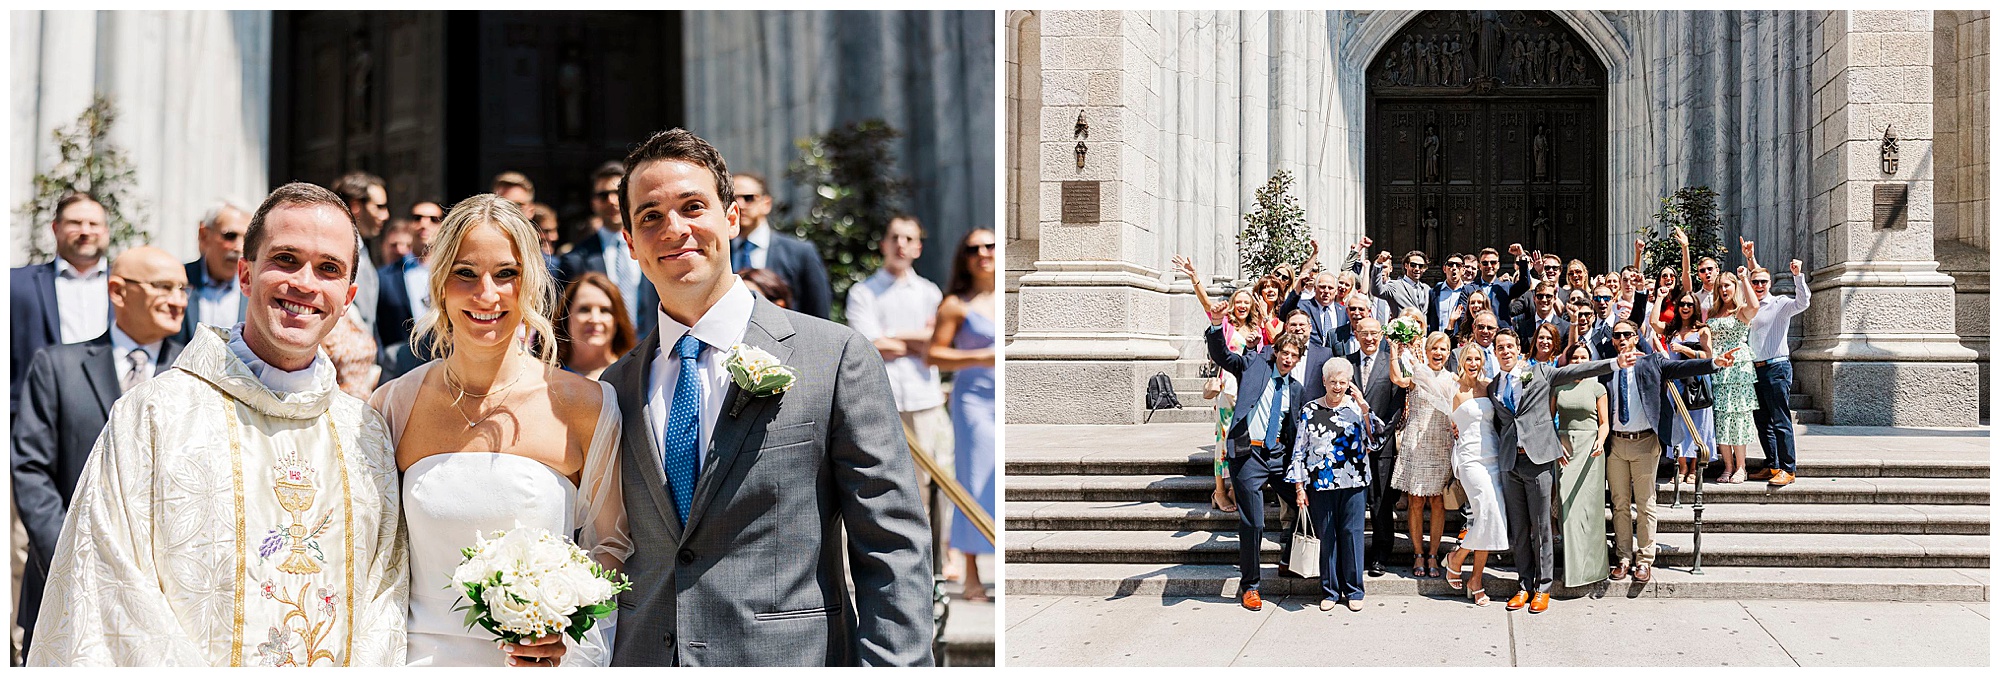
[535, 287]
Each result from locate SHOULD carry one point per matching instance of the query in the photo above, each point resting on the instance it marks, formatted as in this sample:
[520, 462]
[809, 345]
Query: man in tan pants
[1637, 416]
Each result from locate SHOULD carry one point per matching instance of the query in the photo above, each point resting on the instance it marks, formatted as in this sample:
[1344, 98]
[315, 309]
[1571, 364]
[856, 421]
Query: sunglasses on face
[1706, 269]
[1486, 327]
[986, 248]
[1539, 297]
[1622, 334]
[746, 197]
[1585, 313]
[1416, 264]
[1453, 264]
[1685, 304]
[1602, 299]
[1759, 283]
[426, 218]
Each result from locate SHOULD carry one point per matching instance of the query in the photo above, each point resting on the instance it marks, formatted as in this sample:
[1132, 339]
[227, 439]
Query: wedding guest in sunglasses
[1768, 339]
[214, 298]
[1636, 412]
[759, 245]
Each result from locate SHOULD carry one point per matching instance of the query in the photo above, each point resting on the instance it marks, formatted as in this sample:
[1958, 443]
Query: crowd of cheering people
[1527, 400]
[86, 320]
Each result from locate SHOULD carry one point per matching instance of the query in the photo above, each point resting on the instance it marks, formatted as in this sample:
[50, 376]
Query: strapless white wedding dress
[449, 499]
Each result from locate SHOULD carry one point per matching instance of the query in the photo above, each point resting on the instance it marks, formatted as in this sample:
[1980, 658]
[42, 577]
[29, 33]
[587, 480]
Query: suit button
[687, 556]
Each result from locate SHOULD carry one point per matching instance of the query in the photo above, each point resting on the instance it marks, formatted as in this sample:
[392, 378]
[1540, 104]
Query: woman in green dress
[1581, 418]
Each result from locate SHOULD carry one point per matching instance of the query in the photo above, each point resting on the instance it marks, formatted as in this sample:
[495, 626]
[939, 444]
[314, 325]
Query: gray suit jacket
[1530, 424]
[757, 575]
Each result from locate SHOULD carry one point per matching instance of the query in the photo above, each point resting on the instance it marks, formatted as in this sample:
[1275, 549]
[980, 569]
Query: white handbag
[1305, 548]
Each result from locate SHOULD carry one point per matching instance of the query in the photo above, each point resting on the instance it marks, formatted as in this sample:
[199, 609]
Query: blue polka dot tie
[682, 465]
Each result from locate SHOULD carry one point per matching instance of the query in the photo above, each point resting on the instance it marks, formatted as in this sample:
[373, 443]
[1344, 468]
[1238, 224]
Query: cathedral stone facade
[1154, 130]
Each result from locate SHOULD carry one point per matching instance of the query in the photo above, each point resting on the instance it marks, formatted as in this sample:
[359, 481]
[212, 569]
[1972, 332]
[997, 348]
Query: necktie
[740, 259]
[139, 367]
[1623, 375]
[682, 466]
[1361, 384]
[1510, 394]
[1275, 415]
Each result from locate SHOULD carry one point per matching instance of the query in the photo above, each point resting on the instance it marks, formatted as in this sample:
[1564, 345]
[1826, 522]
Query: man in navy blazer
[1260, 437]
[761, 246]
[42, 294]
[213, 295]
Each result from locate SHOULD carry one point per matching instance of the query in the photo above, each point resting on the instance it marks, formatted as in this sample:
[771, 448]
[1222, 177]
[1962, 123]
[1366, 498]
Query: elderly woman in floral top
[1330, 468]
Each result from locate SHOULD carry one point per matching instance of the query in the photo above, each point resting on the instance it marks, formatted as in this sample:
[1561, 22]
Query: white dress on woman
[1475, 458]
[450, 499]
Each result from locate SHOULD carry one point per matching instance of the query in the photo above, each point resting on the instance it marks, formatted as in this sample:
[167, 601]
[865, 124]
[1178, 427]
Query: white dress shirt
[760, 255]
[719, 329]
[417, 286]
[885, 304]
[122, 345]
[623, 271]
[1770, 330]
[219, 303]
[83, 300]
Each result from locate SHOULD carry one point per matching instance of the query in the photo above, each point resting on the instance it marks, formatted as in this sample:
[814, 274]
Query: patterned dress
[1736, 386]
[1225, 408]
[1423, 465]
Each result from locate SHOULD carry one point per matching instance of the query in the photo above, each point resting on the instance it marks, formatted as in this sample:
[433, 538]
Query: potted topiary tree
[1275, 232]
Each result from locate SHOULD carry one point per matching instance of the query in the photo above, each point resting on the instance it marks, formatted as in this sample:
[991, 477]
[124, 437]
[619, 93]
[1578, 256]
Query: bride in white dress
[1475, 459]
[492, 437]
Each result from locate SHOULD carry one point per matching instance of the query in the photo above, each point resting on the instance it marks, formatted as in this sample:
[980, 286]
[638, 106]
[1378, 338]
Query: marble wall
[193, 93]
[759, 81]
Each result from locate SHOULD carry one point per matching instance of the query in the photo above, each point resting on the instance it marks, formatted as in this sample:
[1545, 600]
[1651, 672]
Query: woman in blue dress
[964, 343]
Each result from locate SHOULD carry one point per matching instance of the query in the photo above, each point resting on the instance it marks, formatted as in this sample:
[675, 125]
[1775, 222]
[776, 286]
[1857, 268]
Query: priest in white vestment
[239, 509]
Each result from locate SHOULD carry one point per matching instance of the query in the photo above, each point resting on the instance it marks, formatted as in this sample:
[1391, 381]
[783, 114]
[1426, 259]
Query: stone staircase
[1877, 513]
[1188, 383]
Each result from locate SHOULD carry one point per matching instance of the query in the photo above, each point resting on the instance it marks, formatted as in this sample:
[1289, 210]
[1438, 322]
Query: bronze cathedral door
[1486, 128]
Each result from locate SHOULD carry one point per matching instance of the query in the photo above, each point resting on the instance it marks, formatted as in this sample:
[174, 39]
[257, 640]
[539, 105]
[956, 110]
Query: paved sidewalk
[1448, 631]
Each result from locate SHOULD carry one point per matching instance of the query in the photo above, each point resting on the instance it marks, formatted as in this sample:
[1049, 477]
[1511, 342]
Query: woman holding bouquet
[1423, 464]
[537, 448]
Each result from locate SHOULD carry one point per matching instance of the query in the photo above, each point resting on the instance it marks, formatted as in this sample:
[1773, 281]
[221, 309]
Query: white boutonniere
[758, 373]
[1527, 377]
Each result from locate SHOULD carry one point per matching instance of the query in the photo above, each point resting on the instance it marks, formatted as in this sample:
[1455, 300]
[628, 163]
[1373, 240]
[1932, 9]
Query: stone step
[1860, 518]
[1675, 549]
[1165, 462]
[1192, 411]
[1195, 488]
[1715, 582]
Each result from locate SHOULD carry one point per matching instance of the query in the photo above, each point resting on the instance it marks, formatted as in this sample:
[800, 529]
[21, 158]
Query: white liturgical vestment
[219, 522]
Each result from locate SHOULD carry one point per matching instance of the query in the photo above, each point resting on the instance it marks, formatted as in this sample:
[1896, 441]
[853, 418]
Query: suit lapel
[102, 369]
[767, 331]
[45, 281]
[641, 446]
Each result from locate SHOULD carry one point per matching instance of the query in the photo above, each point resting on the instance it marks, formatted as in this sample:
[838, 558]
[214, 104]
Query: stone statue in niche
[360, 85]
[1538, 229]
[1429, 239]
[569, 90]
[1433, 153]
[1540, 148]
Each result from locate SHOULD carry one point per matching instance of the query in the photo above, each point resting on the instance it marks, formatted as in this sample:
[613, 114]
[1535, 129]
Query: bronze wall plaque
[1080, 201]
[1892, 205]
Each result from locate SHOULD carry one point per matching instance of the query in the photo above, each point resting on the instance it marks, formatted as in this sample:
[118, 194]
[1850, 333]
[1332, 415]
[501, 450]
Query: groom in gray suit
[737, 498]
[1528, 452]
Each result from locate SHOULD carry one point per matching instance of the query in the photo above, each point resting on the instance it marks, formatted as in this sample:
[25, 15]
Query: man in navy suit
[1269, 399]
[66, 300]
[1448, 294]
[213, 297]
[608, 252]
[406, 281]
[761, 246]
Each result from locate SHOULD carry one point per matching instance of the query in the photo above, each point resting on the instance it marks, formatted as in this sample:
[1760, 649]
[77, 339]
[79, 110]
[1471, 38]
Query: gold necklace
[452, 381]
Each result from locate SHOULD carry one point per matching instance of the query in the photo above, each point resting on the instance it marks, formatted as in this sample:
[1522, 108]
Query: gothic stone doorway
[1486, 128]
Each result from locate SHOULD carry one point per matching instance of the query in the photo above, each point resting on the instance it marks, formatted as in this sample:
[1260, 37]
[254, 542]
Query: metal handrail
[1701, 469]
[981, 520]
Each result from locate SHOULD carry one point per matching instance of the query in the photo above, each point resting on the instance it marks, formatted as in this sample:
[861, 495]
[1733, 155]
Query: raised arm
[1396, 375]
[1687, 271]
[1522, 279]
[1186, 266]
[1749, 252]
[1800, 291]
[1218, 349]
[1306, 269]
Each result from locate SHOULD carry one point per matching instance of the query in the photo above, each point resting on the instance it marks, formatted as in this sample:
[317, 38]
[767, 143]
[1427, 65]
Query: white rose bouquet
[527, 583]
[1403, 330]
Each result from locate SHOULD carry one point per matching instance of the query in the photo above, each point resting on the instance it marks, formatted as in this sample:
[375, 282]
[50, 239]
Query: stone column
[1880, 347]
[1093, 313]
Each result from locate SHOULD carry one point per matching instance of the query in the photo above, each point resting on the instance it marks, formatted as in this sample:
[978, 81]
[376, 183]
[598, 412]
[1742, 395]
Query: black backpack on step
[1160, 395]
